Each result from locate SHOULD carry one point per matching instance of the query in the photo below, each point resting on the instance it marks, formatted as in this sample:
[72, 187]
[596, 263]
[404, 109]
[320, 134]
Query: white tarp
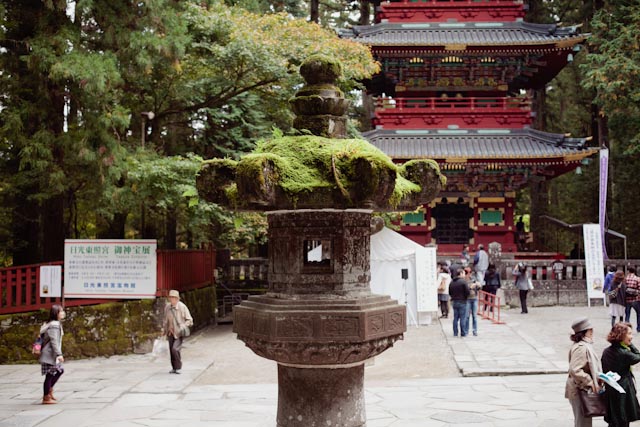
[390, 253]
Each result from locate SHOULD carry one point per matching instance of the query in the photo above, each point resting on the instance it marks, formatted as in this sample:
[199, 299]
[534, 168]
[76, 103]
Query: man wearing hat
[177, 321]
[584, 367]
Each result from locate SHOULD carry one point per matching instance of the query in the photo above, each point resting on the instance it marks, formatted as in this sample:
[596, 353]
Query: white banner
[602, 209]
[593, 258]
[50, 281]
[120, 269]
[426, 284]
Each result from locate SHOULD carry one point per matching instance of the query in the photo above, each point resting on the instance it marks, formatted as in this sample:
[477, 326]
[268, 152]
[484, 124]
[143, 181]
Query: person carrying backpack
[491, 282]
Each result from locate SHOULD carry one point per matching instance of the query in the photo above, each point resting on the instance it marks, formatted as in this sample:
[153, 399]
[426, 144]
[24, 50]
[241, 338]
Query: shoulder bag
[184, 329]
[593, 404]
[36, 347]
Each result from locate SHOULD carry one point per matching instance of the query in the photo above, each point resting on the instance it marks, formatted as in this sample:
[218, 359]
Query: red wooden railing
[461, 2]
[19, 290]
[447, 104]
[489, 306]
[182, 270]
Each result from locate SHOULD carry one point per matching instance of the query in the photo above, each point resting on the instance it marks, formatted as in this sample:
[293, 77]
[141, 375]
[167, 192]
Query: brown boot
[52, 396]
[47, 400]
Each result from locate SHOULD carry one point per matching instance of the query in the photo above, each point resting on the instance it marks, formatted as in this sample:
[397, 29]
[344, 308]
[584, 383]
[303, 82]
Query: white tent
[391, 252]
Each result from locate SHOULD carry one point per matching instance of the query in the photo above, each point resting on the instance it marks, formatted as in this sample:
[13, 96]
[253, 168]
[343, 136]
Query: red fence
[181, 270]
[184, 270]
[19, 290]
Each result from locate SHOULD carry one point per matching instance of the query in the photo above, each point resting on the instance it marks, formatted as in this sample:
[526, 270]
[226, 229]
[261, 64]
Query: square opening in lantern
[317, 252]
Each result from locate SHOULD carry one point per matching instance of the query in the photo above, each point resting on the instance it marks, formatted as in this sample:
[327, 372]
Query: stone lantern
[319, 320]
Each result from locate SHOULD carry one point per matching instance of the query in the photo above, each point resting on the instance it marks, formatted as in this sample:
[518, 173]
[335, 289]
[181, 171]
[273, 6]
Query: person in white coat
[444, 279]
[481, 263]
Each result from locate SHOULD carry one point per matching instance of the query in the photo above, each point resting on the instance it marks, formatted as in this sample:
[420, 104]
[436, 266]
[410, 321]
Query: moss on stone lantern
[319, 170]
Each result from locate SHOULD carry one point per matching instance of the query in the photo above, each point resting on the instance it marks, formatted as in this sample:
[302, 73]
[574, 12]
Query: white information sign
[50, 281]
[593, 258]
[120, 269]
[426, 286]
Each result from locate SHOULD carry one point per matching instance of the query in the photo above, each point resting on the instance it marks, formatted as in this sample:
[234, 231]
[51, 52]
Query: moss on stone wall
[101, 330]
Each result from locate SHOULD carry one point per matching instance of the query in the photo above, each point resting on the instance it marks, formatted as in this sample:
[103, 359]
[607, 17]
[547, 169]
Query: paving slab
[430, 379]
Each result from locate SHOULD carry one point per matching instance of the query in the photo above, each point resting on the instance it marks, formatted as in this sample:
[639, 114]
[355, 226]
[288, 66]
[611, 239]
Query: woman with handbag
[51, 357]
[622, 408]
[177, 321]
[584, 367]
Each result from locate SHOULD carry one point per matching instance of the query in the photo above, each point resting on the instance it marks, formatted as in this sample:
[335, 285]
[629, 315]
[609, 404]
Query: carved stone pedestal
[319, 320]
[326, 396]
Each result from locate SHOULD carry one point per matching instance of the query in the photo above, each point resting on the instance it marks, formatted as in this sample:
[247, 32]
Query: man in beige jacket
[177, 321]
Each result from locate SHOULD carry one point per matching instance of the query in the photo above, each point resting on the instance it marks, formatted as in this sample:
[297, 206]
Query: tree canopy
[102, 104]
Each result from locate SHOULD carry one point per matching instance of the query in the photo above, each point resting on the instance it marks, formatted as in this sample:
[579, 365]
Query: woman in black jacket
[622, 408]
[491, 281]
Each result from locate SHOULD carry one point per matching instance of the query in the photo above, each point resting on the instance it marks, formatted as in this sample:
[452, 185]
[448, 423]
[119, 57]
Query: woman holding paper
[584, 367]
[622, 408]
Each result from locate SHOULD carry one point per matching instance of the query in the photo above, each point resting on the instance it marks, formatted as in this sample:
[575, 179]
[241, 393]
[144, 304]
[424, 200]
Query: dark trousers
[444, 308]
[491, 289]
[523, 300]
[460, 317]
[50, 380]
[627, 312]
[175, 345]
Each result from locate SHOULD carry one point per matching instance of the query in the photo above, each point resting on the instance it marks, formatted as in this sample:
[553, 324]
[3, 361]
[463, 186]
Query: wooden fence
[181, 269]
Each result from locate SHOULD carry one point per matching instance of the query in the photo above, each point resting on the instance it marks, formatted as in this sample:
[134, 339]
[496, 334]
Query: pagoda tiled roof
[486, 144]
[463, 33]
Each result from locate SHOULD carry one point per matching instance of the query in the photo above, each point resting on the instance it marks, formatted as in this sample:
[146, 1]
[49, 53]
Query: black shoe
[176, 372]
[173, 371]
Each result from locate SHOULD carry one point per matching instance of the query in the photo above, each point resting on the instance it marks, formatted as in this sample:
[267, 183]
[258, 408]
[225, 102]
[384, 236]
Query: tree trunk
[314, 11]
[53, 229]
[24, 229]
[170, 229]
[52, 214]
[365, 13]
[111, 229]
[539, 206]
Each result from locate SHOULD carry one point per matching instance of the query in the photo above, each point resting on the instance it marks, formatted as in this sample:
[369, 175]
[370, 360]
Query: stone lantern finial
[320, 105]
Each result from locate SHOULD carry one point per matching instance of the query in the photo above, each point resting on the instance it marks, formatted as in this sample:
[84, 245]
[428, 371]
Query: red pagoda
[455, 87]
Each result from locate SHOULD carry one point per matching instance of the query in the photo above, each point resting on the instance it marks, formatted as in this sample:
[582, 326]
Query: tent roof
[387, 245]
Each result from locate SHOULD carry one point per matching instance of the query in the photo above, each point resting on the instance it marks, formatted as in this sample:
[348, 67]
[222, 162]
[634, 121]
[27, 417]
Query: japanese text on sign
[110, 269]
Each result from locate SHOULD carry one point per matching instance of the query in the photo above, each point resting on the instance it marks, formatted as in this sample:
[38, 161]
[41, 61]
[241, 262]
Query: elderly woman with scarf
[584, 367]
[622, 408]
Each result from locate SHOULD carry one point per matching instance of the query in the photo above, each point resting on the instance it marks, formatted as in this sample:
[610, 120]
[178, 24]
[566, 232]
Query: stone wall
[549, 292]
[101, 330]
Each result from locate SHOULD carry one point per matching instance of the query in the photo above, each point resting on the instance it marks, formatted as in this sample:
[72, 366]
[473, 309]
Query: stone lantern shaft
[319, 320]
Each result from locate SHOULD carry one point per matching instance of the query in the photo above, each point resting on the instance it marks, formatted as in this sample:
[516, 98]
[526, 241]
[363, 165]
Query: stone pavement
[429, 379]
